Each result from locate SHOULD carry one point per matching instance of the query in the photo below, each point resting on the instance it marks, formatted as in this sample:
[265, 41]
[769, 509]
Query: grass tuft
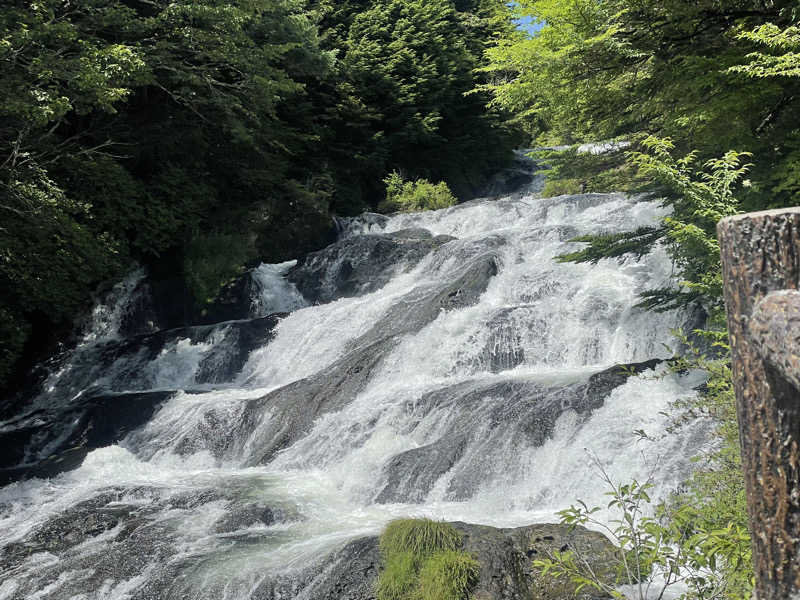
[398, 580]
[421, 537]
[447, 575]
[422, 561]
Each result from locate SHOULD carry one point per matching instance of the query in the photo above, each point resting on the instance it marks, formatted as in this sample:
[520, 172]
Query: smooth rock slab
[519, 410]
[44, 444]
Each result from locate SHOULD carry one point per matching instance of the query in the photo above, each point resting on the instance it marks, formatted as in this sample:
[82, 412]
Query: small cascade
[437, 364]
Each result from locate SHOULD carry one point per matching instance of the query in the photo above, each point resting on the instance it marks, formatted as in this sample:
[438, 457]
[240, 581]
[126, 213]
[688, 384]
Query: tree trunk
[761, 273]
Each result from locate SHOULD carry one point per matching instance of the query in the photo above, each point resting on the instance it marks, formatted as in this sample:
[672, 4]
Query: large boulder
[505, 556]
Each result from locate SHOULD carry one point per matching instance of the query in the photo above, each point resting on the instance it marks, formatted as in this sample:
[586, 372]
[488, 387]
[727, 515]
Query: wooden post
[761, 274]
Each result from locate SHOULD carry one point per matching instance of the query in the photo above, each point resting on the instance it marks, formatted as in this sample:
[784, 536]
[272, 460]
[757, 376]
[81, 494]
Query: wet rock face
[133, 537]
[119, 532]
[88, 408]
[350, 574]
[505, 556]
[246, 516]
[277, 420]
[122, 364]
[45, 443]
[514, 411]
[361, 264]
[412, 474]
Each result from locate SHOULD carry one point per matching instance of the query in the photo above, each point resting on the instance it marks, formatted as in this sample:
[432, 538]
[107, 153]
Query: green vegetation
[660, 547]
[573, 172]
[707, 94]
[448, 575]
[699, 537]
[421, 537]
[410, 196]
[716, 490]
[200, 136]
[699, 198]
[422, 561]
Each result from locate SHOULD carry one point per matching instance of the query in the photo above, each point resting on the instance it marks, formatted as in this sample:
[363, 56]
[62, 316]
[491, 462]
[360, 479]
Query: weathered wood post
[761, 274]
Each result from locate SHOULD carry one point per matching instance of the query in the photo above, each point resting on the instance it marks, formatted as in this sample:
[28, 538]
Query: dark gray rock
[136, 538]
[241, 517]
[104, 514]
[361, 264]
[600, 384]
[349, 574]
[422, 305]
[226, 358]
[411, 475]
[293, 408]
[503, 350]
[506, 557]
[519, 412]
[44, 443]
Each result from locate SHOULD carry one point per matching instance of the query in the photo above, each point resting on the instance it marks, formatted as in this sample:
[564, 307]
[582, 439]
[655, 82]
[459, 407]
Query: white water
[539, 325]
[272, 294]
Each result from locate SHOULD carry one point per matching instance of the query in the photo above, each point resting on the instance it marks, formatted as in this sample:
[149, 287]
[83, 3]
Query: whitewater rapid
[452, 380]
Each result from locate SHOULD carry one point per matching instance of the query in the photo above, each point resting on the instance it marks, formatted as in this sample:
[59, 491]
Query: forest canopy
[199, 136]
[708, 93]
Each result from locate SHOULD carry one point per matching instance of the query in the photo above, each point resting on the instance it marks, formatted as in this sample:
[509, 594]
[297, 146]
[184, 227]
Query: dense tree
[404, 99]
[710, 77]
[708, 94]
[199, 136]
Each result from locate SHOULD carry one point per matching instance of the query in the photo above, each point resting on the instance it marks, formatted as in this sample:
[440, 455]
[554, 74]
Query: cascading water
[438, 364]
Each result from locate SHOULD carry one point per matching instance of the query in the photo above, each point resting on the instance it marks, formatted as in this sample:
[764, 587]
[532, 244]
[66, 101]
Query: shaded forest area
[197, 137]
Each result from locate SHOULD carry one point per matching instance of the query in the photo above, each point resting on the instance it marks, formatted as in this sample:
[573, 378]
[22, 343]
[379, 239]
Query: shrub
[212, 261]
[411, 196]
[562, 187]
[661, 546]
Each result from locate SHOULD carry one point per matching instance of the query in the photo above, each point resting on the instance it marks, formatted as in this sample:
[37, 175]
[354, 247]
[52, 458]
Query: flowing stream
[437, 364]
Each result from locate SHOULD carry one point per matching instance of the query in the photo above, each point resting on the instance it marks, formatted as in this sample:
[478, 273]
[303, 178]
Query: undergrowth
[412, 196]
[697, 540]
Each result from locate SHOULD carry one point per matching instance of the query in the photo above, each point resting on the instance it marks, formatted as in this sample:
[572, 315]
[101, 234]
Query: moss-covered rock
[504, 564]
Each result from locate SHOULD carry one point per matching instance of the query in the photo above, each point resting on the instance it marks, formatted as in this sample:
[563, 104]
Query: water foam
[537, 328]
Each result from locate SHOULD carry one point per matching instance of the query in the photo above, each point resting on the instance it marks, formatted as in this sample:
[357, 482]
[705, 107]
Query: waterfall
[438, 364]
